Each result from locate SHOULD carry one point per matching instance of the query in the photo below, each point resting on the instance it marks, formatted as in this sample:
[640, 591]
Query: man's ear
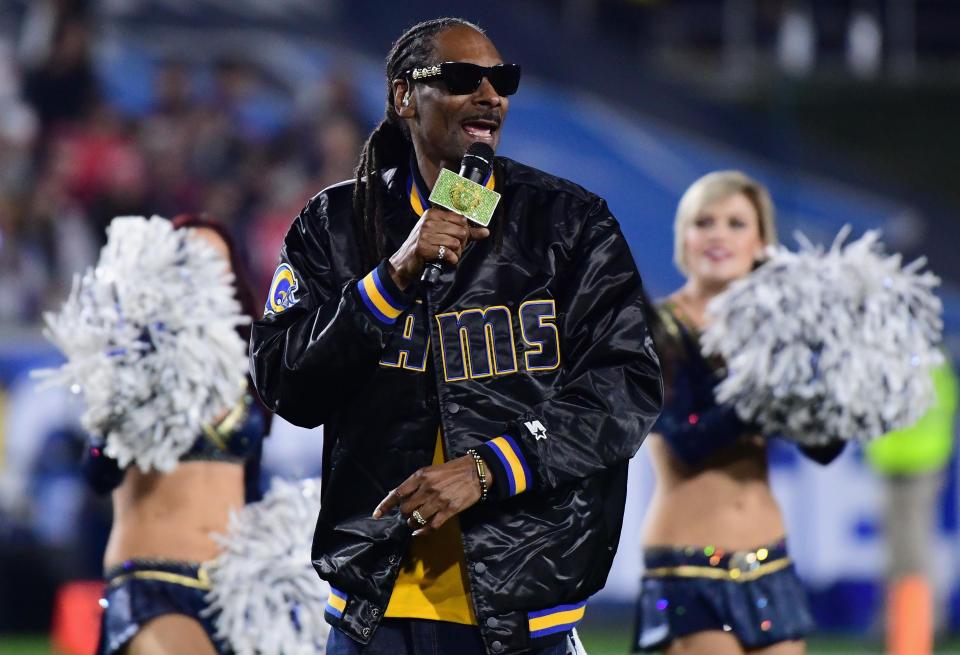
[403, 102]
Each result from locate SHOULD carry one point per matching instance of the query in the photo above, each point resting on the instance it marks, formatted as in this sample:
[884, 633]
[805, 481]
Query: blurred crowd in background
[248, 135]
[71, 161]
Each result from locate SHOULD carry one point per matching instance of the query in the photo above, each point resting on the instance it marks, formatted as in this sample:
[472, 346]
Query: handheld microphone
[475, 166]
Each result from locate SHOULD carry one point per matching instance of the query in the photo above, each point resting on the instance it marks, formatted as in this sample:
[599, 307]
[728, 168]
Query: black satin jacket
[538, 355]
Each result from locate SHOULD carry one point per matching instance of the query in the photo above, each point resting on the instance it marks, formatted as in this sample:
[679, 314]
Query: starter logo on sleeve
[536, 429]
[283, 290]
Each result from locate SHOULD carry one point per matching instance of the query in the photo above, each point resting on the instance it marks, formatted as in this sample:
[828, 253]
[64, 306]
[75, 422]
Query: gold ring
[418, 517]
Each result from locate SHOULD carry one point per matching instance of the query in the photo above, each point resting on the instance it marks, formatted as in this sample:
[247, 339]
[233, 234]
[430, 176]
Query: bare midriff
[727, 503]
[171, 516]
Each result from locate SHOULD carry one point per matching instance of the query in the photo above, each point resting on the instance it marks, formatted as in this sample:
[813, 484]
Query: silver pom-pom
[265, 594]
[821, 345]
[151, 343]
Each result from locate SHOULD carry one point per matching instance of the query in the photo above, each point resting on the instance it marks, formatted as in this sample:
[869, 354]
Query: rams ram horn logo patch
[283, 290]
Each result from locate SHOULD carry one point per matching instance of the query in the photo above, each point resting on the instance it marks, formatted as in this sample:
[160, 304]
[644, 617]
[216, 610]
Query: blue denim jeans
[420, 637]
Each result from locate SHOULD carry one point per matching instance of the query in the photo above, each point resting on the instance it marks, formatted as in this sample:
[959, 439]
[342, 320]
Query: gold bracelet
[481, 473]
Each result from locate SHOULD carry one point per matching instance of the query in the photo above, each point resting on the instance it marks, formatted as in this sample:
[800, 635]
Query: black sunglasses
[462, 78]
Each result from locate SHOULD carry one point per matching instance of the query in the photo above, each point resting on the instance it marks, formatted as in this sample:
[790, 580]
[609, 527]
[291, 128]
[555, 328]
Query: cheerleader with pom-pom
[718, 578]
[155, 339]
[842, 342]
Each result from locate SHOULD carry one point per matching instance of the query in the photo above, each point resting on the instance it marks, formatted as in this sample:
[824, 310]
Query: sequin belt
[187, 574]
[715, 563]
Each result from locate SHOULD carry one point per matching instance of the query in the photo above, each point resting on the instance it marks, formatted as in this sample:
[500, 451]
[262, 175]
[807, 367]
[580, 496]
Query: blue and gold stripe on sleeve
[514, 465]
[381, 302]
[554, 620]
[336, 603]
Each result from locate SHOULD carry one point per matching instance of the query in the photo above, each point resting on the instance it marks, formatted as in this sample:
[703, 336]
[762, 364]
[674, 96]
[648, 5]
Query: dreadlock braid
[389, 143]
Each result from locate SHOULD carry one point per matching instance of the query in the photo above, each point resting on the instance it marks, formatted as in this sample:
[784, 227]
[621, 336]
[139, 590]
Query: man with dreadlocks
[477, 429]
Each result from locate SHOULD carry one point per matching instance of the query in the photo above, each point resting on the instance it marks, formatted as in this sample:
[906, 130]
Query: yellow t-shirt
[432, 583]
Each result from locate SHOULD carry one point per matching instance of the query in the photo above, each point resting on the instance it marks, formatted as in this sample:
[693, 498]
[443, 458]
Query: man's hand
[437, 227]
[437, 492]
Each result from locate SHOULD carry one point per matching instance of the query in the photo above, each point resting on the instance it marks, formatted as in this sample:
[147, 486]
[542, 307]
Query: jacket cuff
[382, 297]
[511, 474]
